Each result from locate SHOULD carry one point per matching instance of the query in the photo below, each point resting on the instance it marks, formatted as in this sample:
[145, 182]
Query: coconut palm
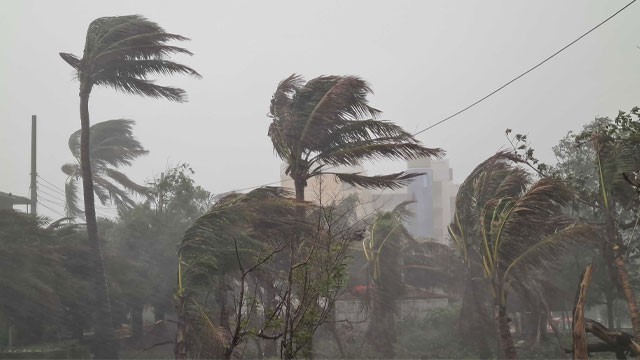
[120, 52]
[327, 122]
[382, 250]
[515, 228]
[112, 145]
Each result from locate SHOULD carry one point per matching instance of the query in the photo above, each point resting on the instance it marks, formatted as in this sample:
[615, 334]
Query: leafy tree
[120, 52]
[327, 122]
[112, 145]
[143, 241]
[515, 228]
[240, 280]
[240, 240]
[40, 285]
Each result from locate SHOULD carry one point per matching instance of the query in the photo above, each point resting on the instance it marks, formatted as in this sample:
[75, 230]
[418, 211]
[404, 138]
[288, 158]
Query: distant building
[433, 195]
[8, 200]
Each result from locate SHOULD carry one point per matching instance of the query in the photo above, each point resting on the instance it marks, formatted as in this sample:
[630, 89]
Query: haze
[424, 60]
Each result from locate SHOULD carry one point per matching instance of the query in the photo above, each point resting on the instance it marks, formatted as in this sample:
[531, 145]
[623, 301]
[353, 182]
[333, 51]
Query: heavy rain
[319, 180]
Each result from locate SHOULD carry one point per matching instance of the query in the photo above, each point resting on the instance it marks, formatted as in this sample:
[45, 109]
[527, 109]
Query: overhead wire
[524, 73]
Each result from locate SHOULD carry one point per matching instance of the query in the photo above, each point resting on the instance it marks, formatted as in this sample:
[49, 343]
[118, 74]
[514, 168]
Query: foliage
[112, 145]
[327, 122]
[382, 250]
[432, 337]
[244, 275]
[123, 51]
[42, 285]
[143, 242]
[515, 228]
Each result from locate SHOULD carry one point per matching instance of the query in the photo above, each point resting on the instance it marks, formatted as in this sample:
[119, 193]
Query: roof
[14, 199]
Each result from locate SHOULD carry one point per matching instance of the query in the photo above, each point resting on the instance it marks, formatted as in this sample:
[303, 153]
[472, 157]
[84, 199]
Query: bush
[434, 337]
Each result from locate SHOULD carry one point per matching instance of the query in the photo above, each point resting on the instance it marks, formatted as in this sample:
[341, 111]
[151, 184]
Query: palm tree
[615, 158]
[515, 228]
[382, 250]
[112, 145]
[327, 122]
[120, 52]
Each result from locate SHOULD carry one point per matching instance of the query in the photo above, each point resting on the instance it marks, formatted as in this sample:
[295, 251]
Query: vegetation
[111, 146]
[268, 274]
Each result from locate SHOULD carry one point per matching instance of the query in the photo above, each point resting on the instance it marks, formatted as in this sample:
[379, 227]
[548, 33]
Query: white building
[433, 195]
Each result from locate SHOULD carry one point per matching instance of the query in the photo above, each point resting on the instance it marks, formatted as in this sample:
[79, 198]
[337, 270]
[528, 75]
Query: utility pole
[34, 189]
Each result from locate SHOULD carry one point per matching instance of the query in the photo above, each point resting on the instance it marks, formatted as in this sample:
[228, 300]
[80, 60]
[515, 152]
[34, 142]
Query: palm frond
[355, 152]
[71, 197]
[136, 86]
[71, 60]
[127, 183]
[549, 251]
[122, 51]
[281, 100]
[324, 101]
[390, 181]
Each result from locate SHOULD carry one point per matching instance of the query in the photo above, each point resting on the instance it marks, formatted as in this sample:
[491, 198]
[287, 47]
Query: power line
[49, 188]
[50, 183]
[46, 207]
[52, 196]
[524, 73]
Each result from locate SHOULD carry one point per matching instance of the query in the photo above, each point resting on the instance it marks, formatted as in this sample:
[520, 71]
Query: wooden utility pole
[34, 174]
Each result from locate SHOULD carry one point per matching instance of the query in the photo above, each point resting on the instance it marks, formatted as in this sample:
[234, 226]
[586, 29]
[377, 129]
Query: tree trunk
[104, 344]
[299, 184]
[613, 248]
[610, 317]
[473, 320]
[579, 334]
[136, 321]
[180, 348]
[625, 283]
[504, 332]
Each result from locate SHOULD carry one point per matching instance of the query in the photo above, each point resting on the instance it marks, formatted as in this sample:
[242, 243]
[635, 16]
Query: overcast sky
[424, 60]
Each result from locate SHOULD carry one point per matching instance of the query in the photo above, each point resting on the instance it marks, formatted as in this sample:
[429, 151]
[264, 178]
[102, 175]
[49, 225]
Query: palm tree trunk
[504, 332]
[137, 325]
[299, 185]
[506, 348]
[614, 245]
[473, 320]
[625, 283]
[104, 345]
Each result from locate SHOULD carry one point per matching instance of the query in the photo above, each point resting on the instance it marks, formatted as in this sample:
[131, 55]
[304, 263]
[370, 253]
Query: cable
[40, 191]
[524, 73]
[50, 188]
[46, 207]
[48, 182]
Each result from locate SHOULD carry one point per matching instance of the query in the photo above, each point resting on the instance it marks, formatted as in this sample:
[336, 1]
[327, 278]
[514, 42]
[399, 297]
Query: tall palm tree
[112, 145]
[120, 52]
[327, 122]
[516, 230]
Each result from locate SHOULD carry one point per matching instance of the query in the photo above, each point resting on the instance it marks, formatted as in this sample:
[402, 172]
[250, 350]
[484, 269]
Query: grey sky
[424, 60]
